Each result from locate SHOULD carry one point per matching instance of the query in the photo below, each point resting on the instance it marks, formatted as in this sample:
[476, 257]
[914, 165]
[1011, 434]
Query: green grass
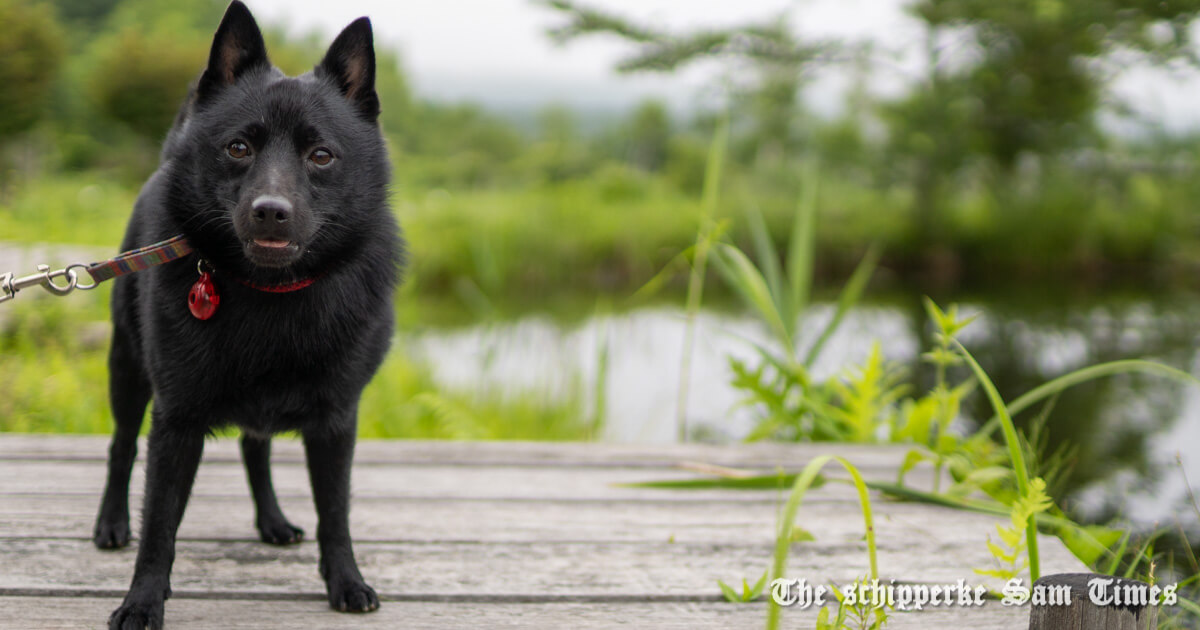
[81, 208]
[544, 239]
[54, 379]
[613, 229]
[404, 402]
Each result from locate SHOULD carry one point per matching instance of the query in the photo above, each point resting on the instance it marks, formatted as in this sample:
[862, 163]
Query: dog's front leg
[175, 448]
[329, 456]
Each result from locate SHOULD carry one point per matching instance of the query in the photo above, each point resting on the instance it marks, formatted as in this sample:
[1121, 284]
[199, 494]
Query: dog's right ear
[237, 47]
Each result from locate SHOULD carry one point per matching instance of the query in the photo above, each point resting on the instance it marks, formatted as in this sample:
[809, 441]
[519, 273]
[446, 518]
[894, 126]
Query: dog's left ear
[350, 64]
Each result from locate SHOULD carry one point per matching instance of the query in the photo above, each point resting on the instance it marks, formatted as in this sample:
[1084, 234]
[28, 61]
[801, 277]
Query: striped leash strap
[127, 262]
[139, 259]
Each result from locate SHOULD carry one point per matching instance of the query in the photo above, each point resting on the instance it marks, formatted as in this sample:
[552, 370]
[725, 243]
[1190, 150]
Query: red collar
[279, 288]
[203, 298]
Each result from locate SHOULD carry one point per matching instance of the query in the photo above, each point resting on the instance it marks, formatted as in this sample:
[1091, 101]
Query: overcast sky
[495, 51]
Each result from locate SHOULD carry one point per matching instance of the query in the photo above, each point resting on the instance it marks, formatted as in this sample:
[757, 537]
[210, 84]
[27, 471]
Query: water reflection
[1128, 429]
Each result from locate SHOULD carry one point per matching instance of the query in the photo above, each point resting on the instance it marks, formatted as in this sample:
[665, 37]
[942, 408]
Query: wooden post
[1121, 606]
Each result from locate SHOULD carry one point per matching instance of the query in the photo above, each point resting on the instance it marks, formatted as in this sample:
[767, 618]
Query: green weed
[861, 611]
[54, 379]
[1010, 553]
[749, 593]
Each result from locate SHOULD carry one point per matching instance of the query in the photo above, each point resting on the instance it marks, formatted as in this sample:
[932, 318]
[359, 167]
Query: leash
[125, 263]
[203, 298]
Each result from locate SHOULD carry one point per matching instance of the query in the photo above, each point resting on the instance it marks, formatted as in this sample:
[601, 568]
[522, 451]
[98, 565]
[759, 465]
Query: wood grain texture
[512, 520]
[410, 452]
[483, 535]
[1077, 610]
[228, 480]
[23, 613]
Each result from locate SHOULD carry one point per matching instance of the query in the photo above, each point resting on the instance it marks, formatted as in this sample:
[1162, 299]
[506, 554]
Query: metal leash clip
[10, 284]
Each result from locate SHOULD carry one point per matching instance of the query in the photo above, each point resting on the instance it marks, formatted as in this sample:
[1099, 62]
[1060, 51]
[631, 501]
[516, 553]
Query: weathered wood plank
[449, 521]
[22, 613]
[546, 568]
[503, 521]
[227, 479]
[482, 535]
[762, 455]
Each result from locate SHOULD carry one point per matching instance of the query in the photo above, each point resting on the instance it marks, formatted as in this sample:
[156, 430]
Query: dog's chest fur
[266, 362]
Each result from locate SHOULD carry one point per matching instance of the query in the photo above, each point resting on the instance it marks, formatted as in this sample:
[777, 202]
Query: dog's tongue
[265, 242]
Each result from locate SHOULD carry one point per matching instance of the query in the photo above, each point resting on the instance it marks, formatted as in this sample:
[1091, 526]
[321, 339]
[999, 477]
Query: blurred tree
[395, 96]
[141, 63]
[559, 153]
[641, 140]
[89, 14]
[1029, 79]
[776, 57]
[444, 130]
[141, 80]
[930, 141]
[649, 133]
[457, 145]
[1036, 84]
[30, 53]
[188, 19]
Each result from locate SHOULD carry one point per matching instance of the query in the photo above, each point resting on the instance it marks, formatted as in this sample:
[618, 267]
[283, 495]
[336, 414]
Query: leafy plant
[795, 407]
[863, 403]
[780, 294]
[1010, 554]
[926, 421]
[868, 404]
[784, 535]
[859, 615]
[1015, 453]
[748, 594]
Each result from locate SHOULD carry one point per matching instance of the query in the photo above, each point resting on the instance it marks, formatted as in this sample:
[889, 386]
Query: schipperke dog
[280, 186]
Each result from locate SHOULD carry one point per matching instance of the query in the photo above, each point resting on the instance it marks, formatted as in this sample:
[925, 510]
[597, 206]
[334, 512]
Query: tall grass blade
[1115, 562]
[1014, 453]
[802, 244]
[768, 258]
[712, 179]
[1138, 557]
[750, 284]
[1061, 383]
[783, 538]
[675, 266]
[757, 482]
[847, 300]
[1190, 606]
[600, 385]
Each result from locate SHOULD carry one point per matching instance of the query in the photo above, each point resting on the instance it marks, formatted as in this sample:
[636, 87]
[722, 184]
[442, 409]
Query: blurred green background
[550, 249]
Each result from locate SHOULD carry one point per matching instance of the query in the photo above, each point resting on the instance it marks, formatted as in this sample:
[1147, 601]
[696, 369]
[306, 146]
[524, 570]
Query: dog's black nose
[271, 207]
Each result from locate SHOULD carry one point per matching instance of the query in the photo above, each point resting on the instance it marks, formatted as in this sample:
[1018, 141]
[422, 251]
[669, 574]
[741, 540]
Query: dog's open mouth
[270, 252]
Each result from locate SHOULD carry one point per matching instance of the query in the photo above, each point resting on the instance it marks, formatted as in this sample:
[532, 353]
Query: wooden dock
[483, 535]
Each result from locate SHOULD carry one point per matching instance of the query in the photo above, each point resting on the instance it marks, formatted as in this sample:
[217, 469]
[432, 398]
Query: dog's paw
[280, 533]
[111, 534]
[137, 616]
[353, 597]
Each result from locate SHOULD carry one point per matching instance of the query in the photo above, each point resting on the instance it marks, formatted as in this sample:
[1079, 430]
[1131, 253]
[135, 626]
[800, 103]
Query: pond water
[1129, 429]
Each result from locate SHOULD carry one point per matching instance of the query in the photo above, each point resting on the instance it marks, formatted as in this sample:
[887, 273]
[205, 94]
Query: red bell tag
[203, 299]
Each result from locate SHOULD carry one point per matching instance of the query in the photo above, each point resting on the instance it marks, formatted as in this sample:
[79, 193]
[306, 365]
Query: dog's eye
[238, 149]
[321, 157]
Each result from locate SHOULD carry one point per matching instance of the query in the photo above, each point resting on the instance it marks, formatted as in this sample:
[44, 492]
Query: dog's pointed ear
[237, 47]
[350, 64]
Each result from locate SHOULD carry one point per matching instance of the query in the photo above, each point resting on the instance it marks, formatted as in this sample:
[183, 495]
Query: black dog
[280, 186]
